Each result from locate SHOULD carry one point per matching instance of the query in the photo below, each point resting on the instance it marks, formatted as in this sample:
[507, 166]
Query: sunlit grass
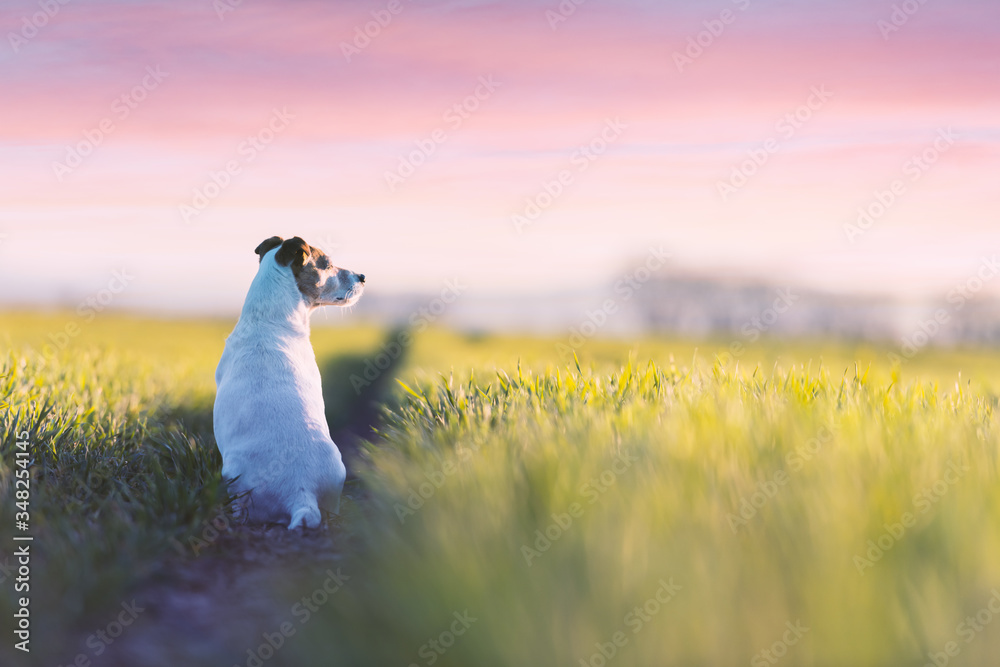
[552, 505]
[750, 488]
[115, 476]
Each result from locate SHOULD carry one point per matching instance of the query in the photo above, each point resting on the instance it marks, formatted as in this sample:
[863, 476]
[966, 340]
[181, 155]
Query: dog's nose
[361, 278]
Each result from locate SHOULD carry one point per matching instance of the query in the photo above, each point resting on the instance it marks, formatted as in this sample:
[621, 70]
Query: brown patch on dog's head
[303, 260]
[267, 246]
[319, 282]
[293, 253]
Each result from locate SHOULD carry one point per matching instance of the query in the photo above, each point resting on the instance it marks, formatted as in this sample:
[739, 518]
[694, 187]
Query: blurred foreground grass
[697, 514]
[696, 508]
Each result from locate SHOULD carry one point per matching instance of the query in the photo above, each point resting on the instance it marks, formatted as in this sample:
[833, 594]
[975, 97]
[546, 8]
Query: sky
[523, 146]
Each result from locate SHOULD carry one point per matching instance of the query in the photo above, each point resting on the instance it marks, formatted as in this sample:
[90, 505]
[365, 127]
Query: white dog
[270, 421]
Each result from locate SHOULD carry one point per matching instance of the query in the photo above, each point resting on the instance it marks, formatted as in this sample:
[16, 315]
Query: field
[647, 503]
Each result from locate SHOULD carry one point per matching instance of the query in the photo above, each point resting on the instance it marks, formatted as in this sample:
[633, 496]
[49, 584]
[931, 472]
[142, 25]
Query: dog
[269, 418]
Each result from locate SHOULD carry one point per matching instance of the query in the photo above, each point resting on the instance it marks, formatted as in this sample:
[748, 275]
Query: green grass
[116, 475]
[836, 459]
[550, 500]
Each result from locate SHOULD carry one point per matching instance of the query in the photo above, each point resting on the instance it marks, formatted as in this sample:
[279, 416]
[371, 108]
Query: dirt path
[212, 602]
[211, 608]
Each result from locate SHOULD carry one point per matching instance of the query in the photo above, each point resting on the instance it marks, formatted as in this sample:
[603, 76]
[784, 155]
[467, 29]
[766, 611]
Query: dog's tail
[305, 516]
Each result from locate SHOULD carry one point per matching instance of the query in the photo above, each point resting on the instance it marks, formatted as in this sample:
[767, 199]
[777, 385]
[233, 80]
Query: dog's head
[319, 281]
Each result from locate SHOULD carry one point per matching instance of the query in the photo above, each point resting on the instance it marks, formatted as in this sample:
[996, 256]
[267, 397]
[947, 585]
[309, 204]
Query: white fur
[269, 418]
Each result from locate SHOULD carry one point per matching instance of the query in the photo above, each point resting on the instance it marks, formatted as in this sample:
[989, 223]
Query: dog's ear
[267, 246]
[293, 252]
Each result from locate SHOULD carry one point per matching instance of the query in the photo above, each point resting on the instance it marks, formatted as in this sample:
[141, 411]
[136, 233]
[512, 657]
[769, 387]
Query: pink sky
[323, 175]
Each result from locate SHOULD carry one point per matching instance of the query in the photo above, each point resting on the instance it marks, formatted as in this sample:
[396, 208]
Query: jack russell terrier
[269, 418]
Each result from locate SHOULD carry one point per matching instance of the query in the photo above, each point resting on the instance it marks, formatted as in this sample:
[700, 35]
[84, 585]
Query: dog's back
[270, 419]
[270, 423]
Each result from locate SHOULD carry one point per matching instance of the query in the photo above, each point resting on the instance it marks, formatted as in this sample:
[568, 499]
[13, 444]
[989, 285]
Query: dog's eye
[322, 263]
